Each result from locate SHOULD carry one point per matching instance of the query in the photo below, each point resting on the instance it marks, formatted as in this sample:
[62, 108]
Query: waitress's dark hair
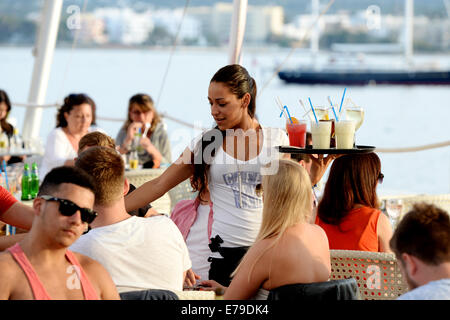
[72, 100]
[6, 127]
[239, 82]
[352, 180]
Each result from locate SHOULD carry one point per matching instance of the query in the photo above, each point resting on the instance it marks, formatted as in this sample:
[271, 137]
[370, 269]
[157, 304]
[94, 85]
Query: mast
[409, 30]
[315, 32]
[45, 47]
[237, 30]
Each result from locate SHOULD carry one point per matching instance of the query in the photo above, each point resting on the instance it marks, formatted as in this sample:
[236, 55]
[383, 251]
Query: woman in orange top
[348, 210]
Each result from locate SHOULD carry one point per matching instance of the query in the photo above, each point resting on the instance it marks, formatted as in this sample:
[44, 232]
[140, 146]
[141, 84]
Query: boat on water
[353, 72]
[337, 76]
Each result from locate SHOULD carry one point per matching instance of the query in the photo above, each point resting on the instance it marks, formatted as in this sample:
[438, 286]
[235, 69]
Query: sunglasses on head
[68, 208]
[380, 178]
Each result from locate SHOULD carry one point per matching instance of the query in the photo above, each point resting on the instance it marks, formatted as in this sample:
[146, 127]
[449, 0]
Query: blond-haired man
[139, 253]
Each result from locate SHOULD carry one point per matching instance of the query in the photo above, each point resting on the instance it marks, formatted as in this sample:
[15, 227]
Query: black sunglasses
[68, 208]
[380, 178]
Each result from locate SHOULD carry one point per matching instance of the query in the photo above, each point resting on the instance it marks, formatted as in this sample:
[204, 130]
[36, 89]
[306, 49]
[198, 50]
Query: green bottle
[34, 180]
[26, 183]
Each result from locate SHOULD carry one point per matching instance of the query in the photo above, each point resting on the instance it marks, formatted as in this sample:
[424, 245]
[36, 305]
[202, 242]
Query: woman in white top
[228, 159]
[73, 121]
[288, 250]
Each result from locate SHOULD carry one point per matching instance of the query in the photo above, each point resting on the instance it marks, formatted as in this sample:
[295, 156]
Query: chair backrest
[377, 274]
[149, 294]
[195, 295]
[183, 191]
[343, 289]
[138, 177]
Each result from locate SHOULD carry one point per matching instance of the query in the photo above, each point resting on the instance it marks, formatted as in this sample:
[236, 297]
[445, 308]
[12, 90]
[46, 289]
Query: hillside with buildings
[207, 23]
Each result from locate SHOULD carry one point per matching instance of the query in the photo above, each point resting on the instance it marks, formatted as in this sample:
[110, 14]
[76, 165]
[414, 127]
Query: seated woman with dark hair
[6, 127]
[348, 210]
[73, 121]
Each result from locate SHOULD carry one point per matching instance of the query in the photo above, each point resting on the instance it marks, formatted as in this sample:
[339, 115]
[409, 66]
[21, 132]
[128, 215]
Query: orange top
[36, 285]
[357, 231]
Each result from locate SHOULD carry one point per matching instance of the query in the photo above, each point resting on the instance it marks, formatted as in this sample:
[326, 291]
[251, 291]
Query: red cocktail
[297, 134]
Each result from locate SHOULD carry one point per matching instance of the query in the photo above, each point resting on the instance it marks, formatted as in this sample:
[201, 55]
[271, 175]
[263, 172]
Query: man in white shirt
[139, 253]
[421, 242]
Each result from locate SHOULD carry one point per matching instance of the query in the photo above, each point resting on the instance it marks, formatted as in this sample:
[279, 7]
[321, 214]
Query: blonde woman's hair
[287, 201]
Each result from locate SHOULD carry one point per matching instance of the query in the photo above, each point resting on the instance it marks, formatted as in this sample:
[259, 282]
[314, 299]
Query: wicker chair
[139, 177]
[182, 191]
[195, 295]
[377, 274]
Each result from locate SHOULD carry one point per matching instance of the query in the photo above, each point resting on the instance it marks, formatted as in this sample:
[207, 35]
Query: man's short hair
[300, 156]
[424, 232]
[96, 138]
[107, 168]
[65, 174]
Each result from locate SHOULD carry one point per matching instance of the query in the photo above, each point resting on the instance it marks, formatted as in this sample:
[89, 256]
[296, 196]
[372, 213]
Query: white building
[262, 21]
[125, 26]
[92, 29]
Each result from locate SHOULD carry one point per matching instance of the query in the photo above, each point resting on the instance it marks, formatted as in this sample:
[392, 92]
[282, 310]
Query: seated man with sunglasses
[40, 266]
[139, 253]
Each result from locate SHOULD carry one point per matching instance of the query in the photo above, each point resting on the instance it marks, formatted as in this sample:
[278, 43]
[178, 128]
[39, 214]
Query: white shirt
[139, 253]
[237, 209]
[433, 290]
[58, 150]
[197, 243]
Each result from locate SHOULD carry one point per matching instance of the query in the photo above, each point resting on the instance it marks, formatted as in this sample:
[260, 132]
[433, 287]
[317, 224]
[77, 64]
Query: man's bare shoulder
[8, 267]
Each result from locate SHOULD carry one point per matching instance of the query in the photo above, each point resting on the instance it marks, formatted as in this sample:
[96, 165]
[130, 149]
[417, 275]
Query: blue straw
[342, 100]
[6, 175]
[282, 111]
[332, 107]
[312, 108]
[289, 115]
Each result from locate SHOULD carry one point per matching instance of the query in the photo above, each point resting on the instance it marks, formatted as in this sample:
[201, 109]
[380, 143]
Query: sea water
[395, 116]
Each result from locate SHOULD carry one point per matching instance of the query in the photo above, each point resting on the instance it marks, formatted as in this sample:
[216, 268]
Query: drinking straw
[312, 108]
[279, 104]
[342, 100]
[303, 106]
[285, 107]
[332, 107]
[6, 175]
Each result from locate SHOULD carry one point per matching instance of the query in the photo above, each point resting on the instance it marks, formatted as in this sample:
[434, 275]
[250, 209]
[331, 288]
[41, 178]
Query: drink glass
[321, 134]
[297, 134]
[321, 113]
[344, 133]
[356, 114]
[394, 208]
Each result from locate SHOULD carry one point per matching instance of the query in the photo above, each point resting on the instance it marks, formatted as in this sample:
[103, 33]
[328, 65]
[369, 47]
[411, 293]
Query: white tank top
[236, 206]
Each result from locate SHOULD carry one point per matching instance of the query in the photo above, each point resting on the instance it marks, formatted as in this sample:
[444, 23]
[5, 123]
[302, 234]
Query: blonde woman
[155, 145]
[288, 250]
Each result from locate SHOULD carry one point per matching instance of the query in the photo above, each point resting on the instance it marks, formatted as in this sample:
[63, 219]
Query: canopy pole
[409, 30]
[237, 30]
[45, 47]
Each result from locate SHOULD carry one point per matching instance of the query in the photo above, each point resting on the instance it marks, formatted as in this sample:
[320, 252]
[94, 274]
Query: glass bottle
[34, 189]
[26, 183]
